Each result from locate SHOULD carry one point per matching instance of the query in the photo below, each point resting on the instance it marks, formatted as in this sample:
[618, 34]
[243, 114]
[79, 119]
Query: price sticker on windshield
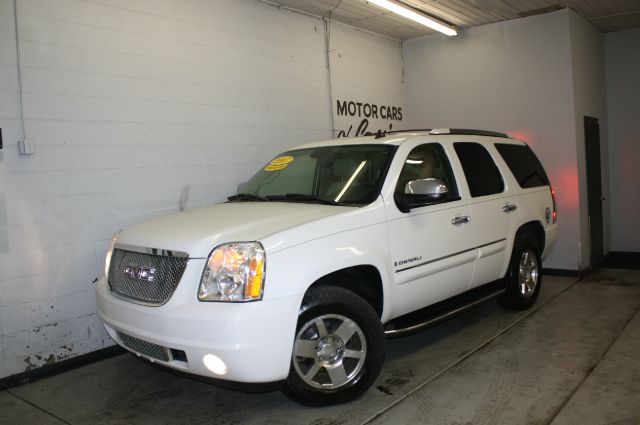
[280, 163]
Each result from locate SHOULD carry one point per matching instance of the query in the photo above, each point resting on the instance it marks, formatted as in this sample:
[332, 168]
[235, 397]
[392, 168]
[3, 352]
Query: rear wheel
[524, 277]
[338, 349]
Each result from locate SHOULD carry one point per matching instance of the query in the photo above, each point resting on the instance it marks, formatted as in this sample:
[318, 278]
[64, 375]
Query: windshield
[340, 175]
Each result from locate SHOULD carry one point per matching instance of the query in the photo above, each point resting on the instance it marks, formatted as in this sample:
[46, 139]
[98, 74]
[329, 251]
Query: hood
[199, 230]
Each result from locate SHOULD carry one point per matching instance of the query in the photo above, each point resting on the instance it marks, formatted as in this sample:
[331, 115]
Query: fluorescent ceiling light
[397, 7]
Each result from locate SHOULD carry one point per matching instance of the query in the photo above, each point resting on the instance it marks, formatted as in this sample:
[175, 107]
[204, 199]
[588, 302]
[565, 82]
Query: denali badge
[137, 272]
[407, 261]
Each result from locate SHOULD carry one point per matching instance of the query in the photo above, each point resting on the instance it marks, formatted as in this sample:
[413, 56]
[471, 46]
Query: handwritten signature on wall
[363, 130]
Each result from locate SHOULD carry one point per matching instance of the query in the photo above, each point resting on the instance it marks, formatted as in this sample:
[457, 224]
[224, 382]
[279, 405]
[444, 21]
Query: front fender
[290, 272]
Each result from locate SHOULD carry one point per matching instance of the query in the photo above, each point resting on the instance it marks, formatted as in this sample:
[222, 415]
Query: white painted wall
[132, 105]
[366, 69]
[589, 99]
[514, 76]
[9, 112]
[622, 53]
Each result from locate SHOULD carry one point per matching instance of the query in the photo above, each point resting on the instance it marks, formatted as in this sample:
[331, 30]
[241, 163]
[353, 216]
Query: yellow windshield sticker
[280, 163]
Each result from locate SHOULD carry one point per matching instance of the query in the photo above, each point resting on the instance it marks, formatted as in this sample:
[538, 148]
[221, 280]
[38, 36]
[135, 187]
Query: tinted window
[425, 162]
[481, 172]
[523, 164]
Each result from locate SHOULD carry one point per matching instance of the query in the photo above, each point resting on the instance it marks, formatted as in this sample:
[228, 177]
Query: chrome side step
[433, 320]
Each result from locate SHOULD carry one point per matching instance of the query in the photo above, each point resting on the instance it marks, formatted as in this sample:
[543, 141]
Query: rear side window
[481, 172]
[524, 165]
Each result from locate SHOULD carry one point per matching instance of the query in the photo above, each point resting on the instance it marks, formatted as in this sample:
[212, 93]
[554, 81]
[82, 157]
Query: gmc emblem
[138, 272]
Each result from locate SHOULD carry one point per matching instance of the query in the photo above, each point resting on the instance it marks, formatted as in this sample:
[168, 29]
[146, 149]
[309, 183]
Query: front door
[433, 245]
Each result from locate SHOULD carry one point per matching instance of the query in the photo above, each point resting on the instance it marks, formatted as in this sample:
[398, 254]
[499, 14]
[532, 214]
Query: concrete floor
[573, 359]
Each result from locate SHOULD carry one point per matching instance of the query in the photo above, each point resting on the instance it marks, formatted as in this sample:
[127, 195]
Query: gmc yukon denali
[327, 250]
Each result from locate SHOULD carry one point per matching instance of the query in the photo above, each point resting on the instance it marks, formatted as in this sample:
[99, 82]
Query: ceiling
[606, 15]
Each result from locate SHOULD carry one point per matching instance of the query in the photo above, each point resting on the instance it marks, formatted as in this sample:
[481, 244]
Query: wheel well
[536, 231]
[364, 280]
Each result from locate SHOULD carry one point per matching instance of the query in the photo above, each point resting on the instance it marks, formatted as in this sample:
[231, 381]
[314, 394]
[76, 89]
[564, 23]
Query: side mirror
[433, 188]
[422, 192]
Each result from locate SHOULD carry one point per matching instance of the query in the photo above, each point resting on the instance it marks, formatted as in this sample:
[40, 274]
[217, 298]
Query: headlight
[234, 272]
[112, 244]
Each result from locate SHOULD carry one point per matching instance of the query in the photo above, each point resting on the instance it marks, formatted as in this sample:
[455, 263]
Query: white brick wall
[13, 314]
[130, 104]
[365, 69]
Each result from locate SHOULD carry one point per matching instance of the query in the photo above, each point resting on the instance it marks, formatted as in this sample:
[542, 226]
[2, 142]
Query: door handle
[509, 208]
[461, 220]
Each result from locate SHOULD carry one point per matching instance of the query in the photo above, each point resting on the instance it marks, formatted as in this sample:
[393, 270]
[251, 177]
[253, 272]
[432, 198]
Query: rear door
[493, 211]
[432, 245]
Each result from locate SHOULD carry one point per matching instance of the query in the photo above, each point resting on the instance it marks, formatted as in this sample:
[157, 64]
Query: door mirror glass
[422, 192]
[432, 188]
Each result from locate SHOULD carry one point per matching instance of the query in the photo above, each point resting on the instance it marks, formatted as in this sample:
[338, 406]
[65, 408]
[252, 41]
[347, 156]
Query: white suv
[298, 277]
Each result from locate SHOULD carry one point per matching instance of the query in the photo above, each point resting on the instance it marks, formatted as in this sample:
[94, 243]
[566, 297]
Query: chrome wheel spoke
[311, 373]
[354, 354]
[524, 282]
[345, 331]
[305, 348]
[337, 374]
[322, 329]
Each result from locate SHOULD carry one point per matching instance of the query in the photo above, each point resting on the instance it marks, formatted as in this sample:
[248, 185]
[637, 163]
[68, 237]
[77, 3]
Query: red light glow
[565, 182]
[523, 135]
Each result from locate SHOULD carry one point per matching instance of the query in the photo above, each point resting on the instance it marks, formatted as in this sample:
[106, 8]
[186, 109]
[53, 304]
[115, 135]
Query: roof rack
[383, 133]
[469, 131]
[459, 131]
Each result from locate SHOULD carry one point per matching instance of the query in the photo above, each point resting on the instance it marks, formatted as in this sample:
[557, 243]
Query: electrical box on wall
[26, 147]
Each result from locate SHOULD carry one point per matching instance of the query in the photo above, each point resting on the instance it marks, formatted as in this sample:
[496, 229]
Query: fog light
[214, 364]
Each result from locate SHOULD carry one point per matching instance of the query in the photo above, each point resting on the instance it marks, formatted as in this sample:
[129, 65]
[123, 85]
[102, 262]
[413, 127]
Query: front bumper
[254, 340]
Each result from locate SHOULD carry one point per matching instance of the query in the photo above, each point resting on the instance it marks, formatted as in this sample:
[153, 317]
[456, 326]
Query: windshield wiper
[247, 197]
[300, 197]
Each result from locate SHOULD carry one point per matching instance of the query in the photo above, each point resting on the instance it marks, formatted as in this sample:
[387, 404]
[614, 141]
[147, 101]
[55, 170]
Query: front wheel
[524, 277]
[338, 349]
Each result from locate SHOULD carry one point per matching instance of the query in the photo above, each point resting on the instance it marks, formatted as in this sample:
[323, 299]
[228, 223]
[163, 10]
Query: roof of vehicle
[398, 137]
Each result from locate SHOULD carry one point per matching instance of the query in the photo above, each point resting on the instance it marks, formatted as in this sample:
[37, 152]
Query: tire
[338, 350]
[524, 276]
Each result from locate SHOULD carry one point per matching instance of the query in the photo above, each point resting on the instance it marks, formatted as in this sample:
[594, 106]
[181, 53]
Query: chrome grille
[144, 347]
[149, 288]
